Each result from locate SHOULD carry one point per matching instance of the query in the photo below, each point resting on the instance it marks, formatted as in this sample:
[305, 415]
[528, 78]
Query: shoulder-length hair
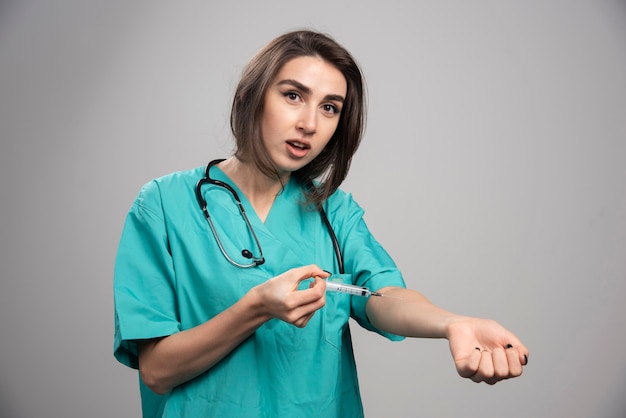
[331, 166]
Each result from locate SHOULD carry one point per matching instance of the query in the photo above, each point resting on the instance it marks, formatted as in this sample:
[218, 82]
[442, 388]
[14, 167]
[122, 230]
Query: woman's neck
[259, 189]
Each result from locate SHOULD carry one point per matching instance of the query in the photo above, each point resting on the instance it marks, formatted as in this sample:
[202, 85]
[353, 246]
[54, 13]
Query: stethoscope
[255, 260]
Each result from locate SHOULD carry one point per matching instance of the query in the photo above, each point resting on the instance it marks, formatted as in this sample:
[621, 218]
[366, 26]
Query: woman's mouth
[297, 148]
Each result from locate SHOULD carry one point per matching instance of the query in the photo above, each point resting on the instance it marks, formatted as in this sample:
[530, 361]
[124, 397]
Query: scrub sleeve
[370, 264]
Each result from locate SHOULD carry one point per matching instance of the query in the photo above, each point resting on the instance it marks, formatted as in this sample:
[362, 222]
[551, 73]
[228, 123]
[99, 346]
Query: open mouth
[298, 145]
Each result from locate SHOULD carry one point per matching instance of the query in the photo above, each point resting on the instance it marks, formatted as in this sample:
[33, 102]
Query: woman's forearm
[167, 362]
[409, 313]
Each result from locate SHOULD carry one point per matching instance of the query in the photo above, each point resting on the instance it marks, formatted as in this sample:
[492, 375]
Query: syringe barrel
[347, 288]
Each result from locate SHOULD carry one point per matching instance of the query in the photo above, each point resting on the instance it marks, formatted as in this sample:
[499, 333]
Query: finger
[500, 364]
[521, 351]
[303, 303]
[485, 368]
[523, 354]
[302, 315]
[303, 321]
[315, 293]
[300, 274]
[318, 282]
[513, 359]
[469, 366]
[306, 272]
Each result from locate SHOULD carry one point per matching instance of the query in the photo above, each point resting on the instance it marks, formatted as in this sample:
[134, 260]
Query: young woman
[221, 276]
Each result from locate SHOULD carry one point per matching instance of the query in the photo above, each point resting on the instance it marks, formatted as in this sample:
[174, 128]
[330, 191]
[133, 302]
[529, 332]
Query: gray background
[493, 170]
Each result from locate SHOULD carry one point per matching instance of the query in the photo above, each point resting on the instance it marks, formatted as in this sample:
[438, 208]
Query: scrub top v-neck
[171, 276]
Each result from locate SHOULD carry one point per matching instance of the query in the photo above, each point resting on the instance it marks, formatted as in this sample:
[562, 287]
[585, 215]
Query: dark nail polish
[477, 348]
[525, 359]
[509, 346]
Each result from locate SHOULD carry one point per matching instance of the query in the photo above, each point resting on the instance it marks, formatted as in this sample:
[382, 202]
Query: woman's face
[301, 111]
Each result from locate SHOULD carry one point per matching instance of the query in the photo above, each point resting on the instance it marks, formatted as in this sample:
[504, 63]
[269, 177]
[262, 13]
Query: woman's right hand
[280, 297]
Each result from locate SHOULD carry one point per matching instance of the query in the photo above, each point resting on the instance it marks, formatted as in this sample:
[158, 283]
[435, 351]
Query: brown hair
[331, 166]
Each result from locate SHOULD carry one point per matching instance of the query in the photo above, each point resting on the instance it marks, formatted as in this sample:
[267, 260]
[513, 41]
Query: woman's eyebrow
[306, 90]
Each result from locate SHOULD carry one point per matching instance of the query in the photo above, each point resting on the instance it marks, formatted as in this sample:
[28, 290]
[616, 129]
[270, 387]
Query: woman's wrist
[251, 306]
[451, 321]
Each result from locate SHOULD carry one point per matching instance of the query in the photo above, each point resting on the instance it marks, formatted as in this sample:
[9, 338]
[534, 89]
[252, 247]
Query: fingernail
[478, 348]
[525, 359]
[509, 346]
[326, 271]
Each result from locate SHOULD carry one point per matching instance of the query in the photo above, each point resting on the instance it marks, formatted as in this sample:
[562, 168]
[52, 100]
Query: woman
[225, 311]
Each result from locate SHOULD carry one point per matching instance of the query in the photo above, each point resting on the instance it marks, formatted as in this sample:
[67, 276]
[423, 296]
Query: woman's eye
[291, 95]
[329, 108]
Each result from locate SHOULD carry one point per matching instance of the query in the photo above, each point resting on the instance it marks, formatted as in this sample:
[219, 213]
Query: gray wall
[493, 170]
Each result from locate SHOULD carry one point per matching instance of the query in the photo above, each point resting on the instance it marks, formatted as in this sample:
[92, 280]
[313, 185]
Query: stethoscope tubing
[256, 260]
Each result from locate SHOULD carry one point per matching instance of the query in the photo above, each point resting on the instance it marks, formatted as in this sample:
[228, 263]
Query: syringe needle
[387, 296]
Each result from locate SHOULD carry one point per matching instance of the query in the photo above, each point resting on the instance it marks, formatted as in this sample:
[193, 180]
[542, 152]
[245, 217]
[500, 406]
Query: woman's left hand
[484, 351]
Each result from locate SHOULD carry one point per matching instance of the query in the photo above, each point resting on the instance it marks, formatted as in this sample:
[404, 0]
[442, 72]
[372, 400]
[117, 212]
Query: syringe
[350, 289]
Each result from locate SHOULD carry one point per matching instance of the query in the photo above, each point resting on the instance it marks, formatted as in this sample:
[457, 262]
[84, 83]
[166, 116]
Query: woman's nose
[307, 121]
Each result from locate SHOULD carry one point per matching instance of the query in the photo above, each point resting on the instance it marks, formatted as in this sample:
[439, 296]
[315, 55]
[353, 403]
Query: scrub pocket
[336, 313]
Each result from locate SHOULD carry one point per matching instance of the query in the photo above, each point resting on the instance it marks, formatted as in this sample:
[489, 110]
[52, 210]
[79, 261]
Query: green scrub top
[171, 276]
